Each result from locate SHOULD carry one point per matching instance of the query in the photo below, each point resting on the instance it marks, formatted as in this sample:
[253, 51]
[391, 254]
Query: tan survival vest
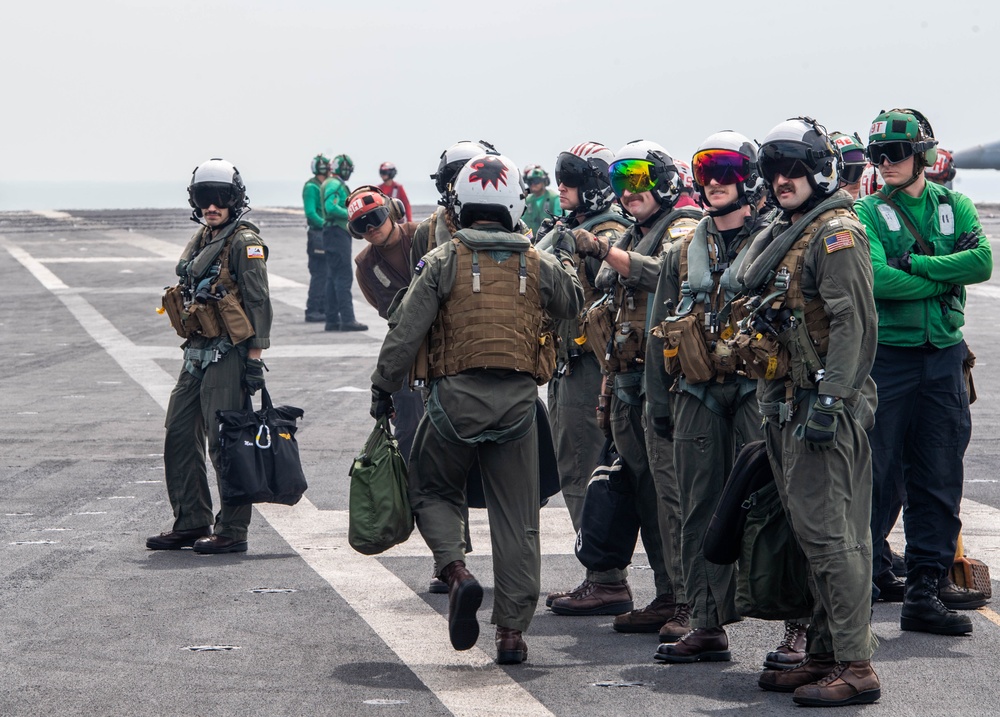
[616, 327]
[798, 351]
[215, 317]
[493, 318]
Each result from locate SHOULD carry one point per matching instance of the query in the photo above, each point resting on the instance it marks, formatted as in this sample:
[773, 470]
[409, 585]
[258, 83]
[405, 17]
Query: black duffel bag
[724, 537]
[609, 526]
[258, 455]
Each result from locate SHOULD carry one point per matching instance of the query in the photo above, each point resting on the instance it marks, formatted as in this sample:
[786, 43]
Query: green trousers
[827, 497]
[437, 489]
[660, 451]
[190, 421]
[572, 400]
[706, 443]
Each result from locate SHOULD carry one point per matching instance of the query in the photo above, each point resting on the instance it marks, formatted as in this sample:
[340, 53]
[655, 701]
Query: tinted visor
[789, 159]
[370, 220]
[205, 194]
[891, 151]
[723, 165]
[851, 173]
[634, 175]
[572, 171]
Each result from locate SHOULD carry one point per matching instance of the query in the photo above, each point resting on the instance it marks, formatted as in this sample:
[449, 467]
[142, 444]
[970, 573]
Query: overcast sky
[133, 90]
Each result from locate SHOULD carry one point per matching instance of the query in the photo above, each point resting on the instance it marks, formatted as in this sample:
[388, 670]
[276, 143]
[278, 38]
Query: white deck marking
[467, 683]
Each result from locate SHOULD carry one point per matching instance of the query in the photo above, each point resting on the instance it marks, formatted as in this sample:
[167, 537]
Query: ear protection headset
[926, 145]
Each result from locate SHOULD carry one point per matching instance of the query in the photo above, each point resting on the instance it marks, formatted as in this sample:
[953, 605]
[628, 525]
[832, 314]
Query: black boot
[923, 610]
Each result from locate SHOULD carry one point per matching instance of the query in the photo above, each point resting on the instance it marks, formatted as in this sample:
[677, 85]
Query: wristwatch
[827, 401]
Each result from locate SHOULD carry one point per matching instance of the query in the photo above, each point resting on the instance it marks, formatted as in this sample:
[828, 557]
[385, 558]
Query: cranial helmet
[943, 170]
[217, 182]
[897, 134]
[870, 181]
[801, 147]
[453, 159]
[387, 169]
[584, 167]
[729, 158]
[369, 207]
[344, 167]
[536, 174]
[489, 187]
[855, 157]
[320, 165]
[644, 166]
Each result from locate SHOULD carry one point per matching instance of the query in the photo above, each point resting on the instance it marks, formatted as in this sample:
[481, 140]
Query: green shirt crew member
[541, 203]
[480, 300]
[222, 308]
[809, 280]
[312, 201]
[337, 248]
[927, 245]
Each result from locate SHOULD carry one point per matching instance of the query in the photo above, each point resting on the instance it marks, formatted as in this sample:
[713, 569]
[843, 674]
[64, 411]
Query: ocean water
[982, 185]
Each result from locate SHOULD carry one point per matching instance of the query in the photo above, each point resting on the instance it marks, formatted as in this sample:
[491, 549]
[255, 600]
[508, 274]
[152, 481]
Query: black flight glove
[903, 263]
[381, 404]
[253, 375]
[564, 245]
[663, 426]
[965, 241]
[820, 432]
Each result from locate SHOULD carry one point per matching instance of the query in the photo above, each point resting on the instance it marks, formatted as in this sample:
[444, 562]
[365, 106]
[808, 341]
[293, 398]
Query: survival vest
[784, 336]
[204, 274]
[616, 325]
[493, 317]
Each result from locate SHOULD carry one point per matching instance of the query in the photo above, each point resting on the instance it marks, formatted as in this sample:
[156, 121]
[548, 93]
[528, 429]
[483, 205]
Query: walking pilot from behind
[222, 308]
[482, 297]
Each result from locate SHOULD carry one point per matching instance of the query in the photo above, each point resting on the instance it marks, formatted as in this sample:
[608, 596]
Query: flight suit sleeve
[408, 326]
[562, 294]
[844, 280]
[248, 256]
[644, 271]
[658, 381]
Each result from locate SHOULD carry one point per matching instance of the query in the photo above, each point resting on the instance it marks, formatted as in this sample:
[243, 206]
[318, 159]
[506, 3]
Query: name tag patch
[255, 251]
[840, 240]
[946, 218]
[891, 220]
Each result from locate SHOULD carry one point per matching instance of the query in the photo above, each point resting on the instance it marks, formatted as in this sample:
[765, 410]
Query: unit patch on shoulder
[419, 267]
[255, 251]
[837, 241]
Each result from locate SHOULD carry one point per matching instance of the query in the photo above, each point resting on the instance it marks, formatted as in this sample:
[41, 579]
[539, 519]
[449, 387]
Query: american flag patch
[840, 240]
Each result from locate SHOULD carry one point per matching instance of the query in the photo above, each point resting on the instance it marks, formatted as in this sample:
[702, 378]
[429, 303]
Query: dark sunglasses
[370, 220]
[892, 151]
[209, 193]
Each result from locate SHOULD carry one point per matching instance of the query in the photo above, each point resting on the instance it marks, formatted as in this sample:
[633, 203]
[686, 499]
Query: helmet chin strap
[918, 168]
[651, 220]
[741, 202]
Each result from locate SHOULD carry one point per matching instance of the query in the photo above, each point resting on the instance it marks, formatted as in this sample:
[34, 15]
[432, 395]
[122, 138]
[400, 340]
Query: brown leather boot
[702, 644]
[465, 595]
[552, 597]
[792, 649]
[647, 619]
[596, 599]
[511, 647]
[678, 625]
[850, 683]
[815, 667]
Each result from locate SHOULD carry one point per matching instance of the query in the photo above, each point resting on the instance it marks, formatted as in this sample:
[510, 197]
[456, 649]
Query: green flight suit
[480, 413]
[712, 420]
[827, 495]
[206, 386]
